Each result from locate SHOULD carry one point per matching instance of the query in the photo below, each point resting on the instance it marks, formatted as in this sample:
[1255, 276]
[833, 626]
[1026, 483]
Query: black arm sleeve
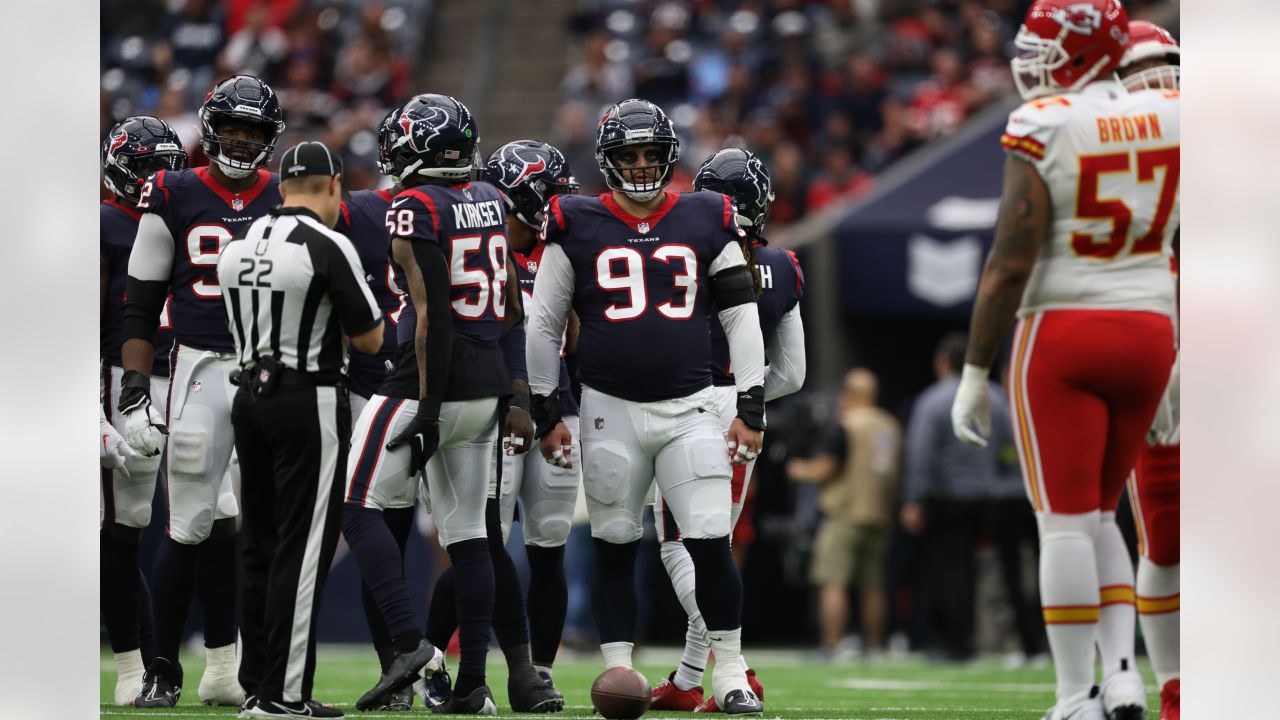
[435, 275]
[732, 287]
[513, 351]
[144, 301]
[355, 309]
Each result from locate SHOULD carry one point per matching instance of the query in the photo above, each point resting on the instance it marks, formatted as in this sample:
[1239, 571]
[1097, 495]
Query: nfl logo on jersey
[599, 423]
[643, 227]
[237, 204]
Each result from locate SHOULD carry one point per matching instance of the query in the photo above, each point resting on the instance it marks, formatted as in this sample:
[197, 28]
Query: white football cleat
[220, 685]
[1124, 696]
[1085, 706]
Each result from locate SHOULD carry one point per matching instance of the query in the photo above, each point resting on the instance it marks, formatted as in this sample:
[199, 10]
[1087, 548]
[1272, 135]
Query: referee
[292, 288]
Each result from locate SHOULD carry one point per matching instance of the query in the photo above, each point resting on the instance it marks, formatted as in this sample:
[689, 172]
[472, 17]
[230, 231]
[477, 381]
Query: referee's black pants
[293, 457]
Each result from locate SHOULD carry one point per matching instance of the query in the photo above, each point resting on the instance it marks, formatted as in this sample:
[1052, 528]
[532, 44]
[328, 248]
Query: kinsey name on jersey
[479, 214]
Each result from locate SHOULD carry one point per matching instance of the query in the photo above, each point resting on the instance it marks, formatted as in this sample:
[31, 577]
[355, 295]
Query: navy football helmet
[636, 122]
[246, 99]
[434, 136]
[528, 173]
[386, 137]
[741, 175]
[136, 147]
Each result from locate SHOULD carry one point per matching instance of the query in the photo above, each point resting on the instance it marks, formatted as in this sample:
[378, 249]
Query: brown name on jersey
[1128, 128]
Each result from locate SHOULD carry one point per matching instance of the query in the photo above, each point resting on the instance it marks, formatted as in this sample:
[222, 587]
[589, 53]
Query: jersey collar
[652, 219]
[131, 212]
[229, 197]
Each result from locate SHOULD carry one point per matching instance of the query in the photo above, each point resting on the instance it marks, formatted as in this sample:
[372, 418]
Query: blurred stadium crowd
[828, 92]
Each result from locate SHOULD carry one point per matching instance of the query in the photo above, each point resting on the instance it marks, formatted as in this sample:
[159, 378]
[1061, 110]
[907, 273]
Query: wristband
[520, 399]
[751, 407]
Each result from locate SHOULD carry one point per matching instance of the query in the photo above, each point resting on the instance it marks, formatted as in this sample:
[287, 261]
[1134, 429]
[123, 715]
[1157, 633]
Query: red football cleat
[669, 697]
[712, 706]
[1169, 696]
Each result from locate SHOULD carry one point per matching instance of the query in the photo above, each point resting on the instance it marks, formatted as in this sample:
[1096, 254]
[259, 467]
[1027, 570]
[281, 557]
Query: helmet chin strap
[641, 197]
[234, 173]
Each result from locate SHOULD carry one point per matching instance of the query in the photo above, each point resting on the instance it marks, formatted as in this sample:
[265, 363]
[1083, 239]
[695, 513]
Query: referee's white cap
[309, 158]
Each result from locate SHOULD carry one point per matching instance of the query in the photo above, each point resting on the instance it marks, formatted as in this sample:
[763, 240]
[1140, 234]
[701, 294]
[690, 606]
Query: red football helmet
[1152, 58]
[1066, 44]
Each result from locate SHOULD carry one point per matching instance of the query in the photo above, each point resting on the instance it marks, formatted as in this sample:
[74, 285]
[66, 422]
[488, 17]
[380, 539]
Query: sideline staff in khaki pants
[858, 466]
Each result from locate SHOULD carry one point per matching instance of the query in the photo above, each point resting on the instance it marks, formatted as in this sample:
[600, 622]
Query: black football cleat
[400, 700]
[277, 709]
[404, 670]
[529, 693]
[161, 685]
[742, 702]
[478, 702]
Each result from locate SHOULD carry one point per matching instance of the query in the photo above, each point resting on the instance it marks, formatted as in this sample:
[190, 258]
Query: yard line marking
[907, 685]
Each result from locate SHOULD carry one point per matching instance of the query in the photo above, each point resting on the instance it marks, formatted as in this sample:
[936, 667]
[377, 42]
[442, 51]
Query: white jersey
[1110, 160]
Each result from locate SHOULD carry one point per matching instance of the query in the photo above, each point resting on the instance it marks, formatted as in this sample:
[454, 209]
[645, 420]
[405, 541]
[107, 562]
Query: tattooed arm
[1026, 215]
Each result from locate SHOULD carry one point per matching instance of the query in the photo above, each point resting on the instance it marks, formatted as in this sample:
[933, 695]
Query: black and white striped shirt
[292, 288]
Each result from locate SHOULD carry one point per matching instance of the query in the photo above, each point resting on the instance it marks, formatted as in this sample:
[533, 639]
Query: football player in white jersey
[1151, 63]
[1081, 258]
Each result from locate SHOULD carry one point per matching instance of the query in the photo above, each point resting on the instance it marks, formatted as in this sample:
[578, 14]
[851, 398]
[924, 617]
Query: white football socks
[729, 673]
[1117, 615]
[1159, 611]
[617, 654]
[129, 672]
[1069, 595]
[697, 648]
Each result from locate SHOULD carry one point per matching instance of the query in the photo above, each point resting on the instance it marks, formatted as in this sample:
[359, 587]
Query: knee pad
[616, 526]
[1063, 525]
[189, 452]
[194, 530]
[607, 472]
[547, 532]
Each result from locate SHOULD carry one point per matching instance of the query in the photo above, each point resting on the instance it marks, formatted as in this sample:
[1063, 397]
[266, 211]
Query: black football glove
[546, 413]
[144, 426]
[422, 435]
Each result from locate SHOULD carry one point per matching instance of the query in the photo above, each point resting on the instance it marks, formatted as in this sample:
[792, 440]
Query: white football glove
[113, 451]
[1166, 429]
[144, 427]
[971, 411]
[145, 431]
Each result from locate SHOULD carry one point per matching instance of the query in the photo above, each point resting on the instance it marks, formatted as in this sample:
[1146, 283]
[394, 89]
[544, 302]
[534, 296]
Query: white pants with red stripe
[457, 475]
[547, 494]
[127, 500]
[627, 445]
[726, 402]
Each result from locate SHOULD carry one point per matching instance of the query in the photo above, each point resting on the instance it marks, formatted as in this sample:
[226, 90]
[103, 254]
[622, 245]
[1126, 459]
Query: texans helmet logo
[117, 142]
[418, 131]
[529, 168]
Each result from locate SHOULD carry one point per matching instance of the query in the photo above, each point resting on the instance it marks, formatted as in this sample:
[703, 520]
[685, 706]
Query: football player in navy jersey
[644, 268]
[742, 177]
[439, 406]
[529, 173]
[363, 219]
[135, 148]
[188, 216]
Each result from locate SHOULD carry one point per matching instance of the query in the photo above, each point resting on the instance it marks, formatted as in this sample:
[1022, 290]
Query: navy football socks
[548, 601]
[613, 595]
[719, 587]
[380, 562]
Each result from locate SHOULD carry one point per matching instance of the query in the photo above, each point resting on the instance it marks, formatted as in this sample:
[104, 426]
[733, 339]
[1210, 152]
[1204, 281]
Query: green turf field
[902, 689]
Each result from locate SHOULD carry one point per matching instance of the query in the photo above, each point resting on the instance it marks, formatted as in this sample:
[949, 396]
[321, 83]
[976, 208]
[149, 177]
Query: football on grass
[621, 693]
